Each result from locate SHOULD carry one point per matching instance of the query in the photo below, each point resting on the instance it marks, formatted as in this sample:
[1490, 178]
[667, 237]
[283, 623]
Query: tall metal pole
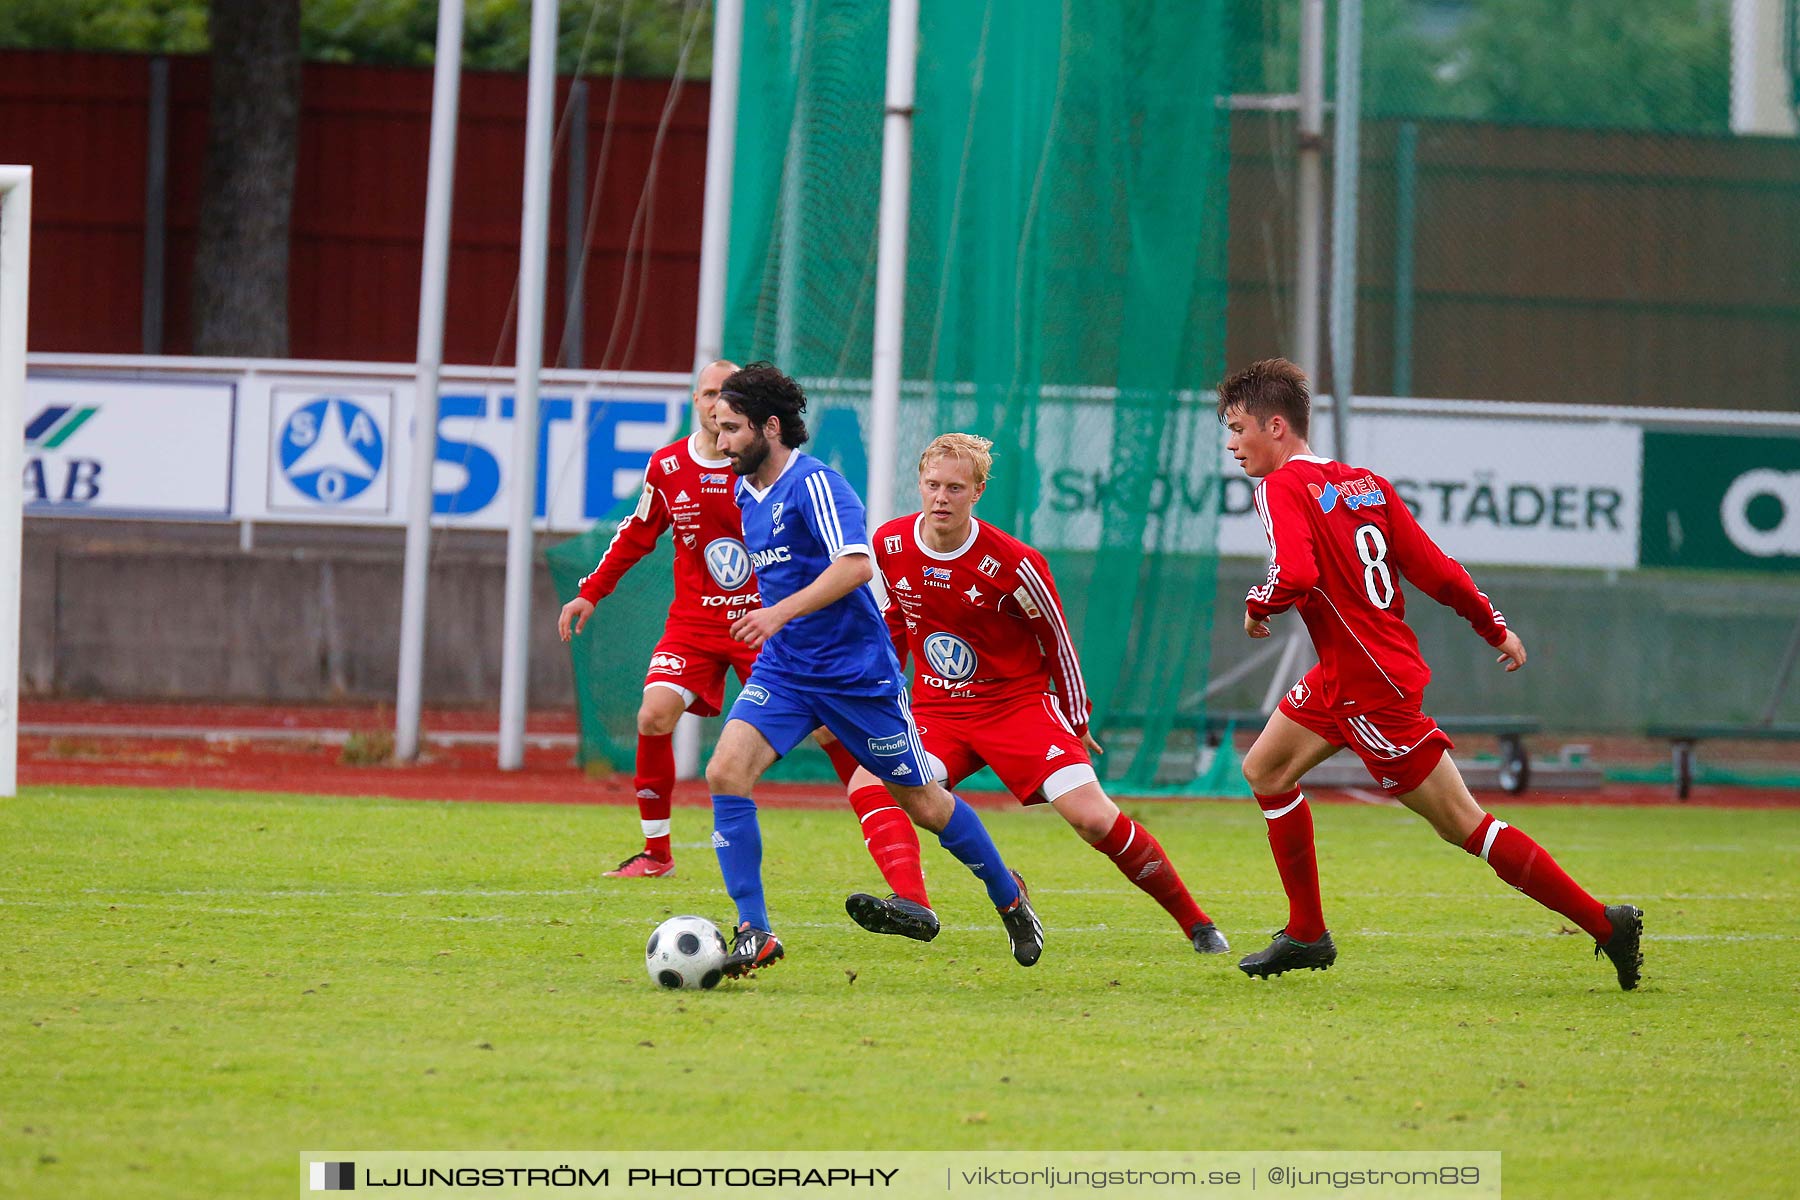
[1309, 190]
[721, 155]
[890, 262]
[575, 231]
[793, 195]
[521, 483]
[15, 276]
[440, 179]
[715, 246]
[1346, 167]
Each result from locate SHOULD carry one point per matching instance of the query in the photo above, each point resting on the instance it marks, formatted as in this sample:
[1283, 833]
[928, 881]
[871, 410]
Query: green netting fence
[1065, 296]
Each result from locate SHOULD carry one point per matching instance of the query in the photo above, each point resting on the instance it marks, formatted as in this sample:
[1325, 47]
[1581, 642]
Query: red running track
[299, 749]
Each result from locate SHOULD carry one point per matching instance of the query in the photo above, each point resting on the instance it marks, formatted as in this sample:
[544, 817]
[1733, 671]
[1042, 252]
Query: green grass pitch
[194, 987]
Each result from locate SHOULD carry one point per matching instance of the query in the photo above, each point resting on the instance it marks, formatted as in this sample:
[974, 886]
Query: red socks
[655, 783]
[842, 761]
[888, 833]
[1524, 864]
[1140, 858]
[1291, 839]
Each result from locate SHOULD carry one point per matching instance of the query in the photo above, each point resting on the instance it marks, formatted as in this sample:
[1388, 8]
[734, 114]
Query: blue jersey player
[826, 659]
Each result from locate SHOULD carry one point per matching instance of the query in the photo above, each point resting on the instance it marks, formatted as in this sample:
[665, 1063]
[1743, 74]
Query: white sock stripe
[656, 828]
[1129, 840]
[1487, 843]
[1285, 809]
[889, 808]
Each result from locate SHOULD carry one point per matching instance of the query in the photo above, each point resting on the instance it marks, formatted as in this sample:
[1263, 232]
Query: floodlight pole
[890, 263]
[715, 243]
[1346, 166]
[522, 480]
[15, 278]
[440, 181]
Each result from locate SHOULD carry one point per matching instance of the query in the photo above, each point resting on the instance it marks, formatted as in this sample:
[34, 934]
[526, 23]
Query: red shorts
[1398, 744]
[694, 662]
[1026, 740]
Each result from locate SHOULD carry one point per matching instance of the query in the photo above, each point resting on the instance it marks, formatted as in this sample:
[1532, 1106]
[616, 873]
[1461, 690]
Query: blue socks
[737, 840]
[967, 838]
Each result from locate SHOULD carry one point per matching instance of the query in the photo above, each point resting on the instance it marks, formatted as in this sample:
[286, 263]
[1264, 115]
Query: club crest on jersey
[888, 747]
[1298, 694]
[891, 543]
[728, 562]
[755, 693]
[671, 464]
[668, 664]
[949, 657]
[989, 566]
[1355, 493]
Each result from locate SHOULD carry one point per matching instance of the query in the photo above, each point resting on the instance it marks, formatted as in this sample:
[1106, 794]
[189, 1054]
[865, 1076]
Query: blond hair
[971, 449]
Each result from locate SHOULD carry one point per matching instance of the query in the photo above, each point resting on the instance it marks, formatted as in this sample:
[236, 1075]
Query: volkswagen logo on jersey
[949, 657]
[331, 449]
[729, 562]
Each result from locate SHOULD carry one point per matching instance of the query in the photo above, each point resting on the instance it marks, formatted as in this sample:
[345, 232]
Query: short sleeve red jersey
[1339, 541]
[695, 497]
[982, 622]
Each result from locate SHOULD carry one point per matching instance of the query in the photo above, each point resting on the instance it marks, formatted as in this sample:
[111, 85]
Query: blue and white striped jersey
[806, 520]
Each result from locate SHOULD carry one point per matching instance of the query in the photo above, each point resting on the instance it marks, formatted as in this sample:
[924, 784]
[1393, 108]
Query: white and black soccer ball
[686, 952]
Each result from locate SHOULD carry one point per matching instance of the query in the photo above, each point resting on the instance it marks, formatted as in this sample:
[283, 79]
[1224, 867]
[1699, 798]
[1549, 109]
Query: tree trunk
[247, 188]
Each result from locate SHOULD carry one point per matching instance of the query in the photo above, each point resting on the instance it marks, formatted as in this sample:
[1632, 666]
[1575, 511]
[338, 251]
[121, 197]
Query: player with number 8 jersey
[1340, 539]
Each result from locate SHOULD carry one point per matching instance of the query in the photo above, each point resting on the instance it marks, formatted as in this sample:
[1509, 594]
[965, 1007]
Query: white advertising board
[320, 444]
[329, 448]
[112, 447]
[1516, 491]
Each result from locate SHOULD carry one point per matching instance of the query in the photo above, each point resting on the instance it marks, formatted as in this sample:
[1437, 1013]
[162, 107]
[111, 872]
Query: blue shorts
[877, 730]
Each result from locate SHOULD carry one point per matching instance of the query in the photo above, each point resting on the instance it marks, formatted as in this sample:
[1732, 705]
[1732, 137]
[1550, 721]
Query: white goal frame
[15, 276]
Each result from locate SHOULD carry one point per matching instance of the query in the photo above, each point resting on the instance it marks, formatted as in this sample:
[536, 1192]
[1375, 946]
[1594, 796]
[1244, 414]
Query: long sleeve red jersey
[1339, 539]
[982, 622]
[714, 584]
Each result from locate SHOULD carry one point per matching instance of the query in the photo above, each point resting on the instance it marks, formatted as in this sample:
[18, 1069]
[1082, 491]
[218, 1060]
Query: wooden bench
[1683, 738]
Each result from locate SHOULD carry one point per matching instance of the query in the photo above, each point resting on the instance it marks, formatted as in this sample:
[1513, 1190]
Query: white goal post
[15, 273]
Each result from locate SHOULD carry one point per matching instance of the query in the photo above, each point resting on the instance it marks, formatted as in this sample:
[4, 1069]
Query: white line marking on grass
[1368, 797]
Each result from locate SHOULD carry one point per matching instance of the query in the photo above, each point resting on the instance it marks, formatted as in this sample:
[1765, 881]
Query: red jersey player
[1340, 540]
[979, 614]
[688, 487]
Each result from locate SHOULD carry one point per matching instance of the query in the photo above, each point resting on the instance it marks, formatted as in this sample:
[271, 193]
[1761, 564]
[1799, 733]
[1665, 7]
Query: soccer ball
[686, 952]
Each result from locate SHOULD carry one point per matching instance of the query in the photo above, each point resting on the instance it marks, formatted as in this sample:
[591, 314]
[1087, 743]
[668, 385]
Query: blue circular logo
[949, 657]
[331, 449]
[729, 563]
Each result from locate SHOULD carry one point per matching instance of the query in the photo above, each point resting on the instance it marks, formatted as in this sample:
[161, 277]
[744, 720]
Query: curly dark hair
[1271, 387]
[760, 391]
